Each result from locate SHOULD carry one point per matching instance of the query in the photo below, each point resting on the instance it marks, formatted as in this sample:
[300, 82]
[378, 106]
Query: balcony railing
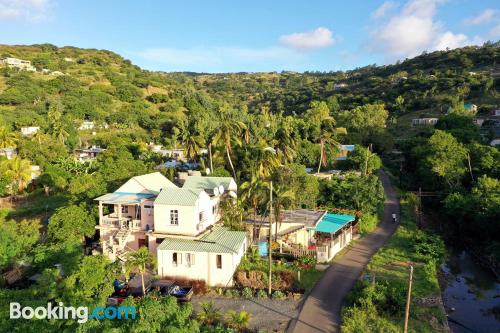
[112, 220]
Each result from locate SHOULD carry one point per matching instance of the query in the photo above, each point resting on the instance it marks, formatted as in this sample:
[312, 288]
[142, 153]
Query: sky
[252, 36]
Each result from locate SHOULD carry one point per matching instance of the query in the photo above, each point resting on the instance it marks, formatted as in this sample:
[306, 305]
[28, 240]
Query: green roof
[218, 240]
[207, 183]
[178, 196]
[331, 223]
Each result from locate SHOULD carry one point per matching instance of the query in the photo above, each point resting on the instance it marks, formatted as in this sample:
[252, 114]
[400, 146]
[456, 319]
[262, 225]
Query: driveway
[321, 309]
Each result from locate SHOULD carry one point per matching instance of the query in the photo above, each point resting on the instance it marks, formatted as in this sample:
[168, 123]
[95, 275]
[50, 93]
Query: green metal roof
[331, 223]
[207, 183]
[218, 240]
[178, 196]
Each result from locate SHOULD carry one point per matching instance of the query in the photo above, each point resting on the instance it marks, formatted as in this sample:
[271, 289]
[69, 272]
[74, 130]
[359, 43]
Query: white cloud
[219, 58]
[383, 9]
[318, 38]
[413, 30]
[29, 10]
[495, 31]
[485, 17]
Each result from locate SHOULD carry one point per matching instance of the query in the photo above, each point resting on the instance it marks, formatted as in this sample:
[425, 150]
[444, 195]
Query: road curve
[320, 311]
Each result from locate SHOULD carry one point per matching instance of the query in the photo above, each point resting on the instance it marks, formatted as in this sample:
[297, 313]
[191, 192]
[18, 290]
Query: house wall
[189, 217]
[204, 267]
[147, 215]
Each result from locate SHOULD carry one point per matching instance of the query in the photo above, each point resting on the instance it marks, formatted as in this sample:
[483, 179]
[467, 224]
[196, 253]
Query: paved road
[321, 310]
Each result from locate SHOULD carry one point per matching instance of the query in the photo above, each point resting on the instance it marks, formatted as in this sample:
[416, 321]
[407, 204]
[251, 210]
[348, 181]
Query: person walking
[393, 217]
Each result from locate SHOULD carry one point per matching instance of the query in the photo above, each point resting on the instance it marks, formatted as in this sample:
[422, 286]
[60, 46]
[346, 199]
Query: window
[174, 217]
[218, 261]
[125, 209]
[176, 259]
[201, 216]
[214, 209]
[149, 209]
[159, 240]
[189, 259]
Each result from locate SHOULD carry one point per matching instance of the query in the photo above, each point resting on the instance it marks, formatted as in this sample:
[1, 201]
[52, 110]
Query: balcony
[125, 222]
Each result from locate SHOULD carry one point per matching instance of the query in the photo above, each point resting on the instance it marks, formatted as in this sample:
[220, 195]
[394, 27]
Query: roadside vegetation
[377, 302]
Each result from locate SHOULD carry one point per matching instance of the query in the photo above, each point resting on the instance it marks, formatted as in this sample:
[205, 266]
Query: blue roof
[331, 223]
[348, 147]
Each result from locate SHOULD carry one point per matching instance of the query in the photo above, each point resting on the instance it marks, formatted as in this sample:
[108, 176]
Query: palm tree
[209, 314]
[229, 131]
[282, 197]
[238, 321]
[7, 138]
[139, 260]
[193, 145]
[327, 136]
[285, 141]
[19, 170]
[252, 191]
[265, 158]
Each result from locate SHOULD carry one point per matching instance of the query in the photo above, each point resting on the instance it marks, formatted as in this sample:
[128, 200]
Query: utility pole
[270, 235]
[408, 299]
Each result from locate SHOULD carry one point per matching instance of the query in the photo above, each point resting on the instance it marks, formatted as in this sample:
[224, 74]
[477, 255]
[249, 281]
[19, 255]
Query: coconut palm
[209, 314]
[228, 134]
[238, 320]
[327, 137]
[139, 261]
[265, 158]
[7, 138]
[19, 170]
[253, 193]
[192, 144]
[282, 197]
[285, 142]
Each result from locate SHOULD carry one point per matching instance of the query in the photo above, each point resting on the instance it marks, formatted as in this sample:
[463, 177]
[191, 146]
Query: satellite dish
[207, 171]
[221, 189]
[232, 194]
[216, 191]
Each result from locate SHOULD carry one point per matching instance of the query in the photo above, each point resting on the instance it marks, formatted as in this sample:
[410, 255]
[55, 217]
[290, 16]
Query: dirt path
[321, 310]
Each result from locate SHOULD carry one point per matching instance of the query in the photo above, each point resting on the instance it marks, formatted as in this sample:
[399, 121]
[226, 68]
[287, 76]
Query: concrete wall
[189, 217]
[204, 267]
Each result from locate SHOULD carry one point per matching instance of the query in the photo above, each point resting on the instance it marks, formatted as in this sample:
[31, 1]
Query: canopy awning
[331, 223]
[124, 198]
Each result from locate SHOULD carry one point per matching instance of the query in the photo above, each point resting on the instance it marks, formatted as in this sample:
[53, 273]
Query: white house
[29, 130]
[8, 153]
[88, 154]
[424, 121]
[87, 125]
[150, 210]
[18, 63]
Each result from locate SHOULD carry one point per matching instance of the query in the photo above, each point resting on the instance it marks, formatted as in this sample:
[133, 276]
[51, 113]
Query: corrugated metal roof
[218, 240]
[207, 183]
[331, 223]
[152, 182]
[178, 196]
[122, 197]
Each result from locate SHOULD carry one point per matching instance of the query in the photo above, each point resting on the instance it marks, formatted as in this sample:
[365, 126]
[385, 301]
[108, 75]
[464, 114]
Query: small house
[344, 151]
[424, 122]
[29, 130]
[8, 153]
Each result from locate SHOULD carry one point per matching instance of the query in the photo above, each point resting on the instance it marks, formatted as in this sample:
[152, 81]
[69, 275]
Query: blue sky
[228, 36]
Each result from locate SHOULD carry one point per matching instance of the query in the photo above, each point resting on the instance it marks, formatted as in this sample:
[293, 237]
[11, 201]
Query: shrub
[235, 293]
[247, 292]
[277, 295]
[367, 223]
[261, 294]
[209, 314]
[238, 321]
[228, 293]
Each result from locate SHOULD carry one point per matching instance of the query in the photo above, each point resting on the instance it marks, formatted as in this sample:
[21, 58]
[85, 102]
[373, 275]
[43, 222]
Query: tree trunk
[210, 156]
[142, 281]
[320, 155]
[230, 162]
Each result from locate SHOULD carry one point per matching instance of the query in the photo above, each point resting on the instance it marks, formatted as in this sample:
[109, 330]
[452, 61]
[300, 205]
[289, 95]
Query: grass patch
[36, 205]
[308, 279]
[376, 304]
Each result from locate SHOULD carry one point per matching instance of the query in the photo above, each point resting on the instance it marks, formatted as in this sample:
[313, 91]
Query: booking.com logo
[80, 314]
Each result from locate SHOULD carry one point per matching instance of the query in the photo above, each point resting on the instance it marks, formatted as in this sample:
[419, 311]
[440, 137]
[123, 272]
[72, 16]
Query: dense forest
[256, 126]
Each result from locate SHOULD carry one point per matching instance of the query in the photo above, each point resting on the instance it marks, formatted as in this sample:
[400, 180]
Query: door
[142, 242]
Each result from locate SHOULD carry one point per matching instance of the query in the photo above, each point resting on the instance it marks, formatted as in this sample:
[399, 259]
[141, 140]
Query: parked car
[169, 288]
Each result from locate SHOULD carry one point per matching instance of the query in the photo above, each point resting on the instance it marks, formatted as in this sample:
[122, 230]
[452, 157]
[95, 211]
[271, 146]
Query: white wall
[204, 267]
[189, 217]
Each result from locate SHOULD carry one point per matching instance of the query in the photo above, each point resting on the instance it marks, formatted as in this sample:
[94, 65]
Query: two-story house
[175, 223]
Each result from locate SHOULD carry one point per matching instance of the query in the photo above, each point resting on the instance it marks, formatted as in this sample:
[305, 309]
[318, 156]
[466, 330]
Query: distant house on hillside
[338, 86]
[344, 151]
[424, 122]
[87, 125]
[29, 130]
[8, 153]
[88, 154]
[18, 63]
[470, 107]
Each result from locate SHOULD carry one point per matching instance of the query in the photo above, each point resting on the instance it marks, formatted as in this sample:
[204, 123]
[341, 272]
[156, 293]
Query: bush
[367, 223]
[228, 293]
[277, 295]
[247, 292]
[261, 294]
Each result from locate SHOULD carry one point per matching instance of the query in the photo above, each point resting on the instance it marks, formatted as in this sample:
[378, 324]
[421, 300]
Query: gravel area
[267, 314]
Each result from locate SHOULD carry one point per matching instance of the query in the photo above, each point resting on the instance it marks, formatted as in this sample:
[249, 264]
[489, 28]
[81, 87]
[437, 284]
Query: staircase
[118, 248]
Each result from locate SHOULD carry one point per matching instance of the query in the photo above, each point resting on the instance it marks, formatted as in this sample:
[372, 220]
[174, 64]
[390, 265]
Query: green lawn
[377, 303]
